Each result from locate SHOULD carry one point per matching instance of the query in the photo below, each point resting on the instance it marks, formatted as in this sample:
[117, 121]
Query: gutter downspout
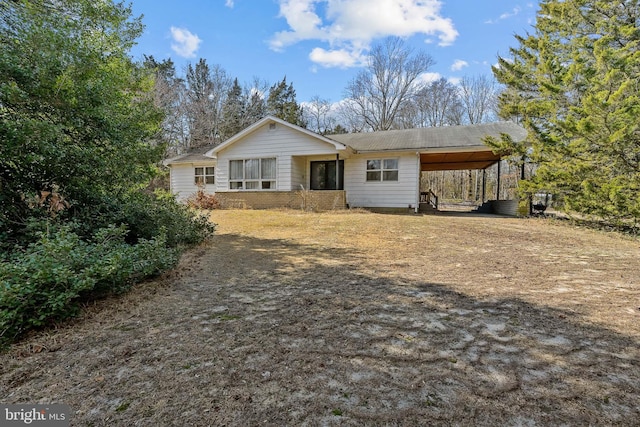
[498, 181]
[337, 171]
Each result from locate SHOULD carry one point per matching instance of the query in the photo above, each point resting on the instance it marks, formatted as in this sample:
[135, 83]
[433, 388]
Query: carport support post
[522, 178]
[498, 179]
[484, 184]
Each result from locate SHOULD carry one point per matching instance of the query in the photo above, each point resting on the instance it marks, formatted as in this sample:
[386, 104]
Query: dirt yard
[288, 318]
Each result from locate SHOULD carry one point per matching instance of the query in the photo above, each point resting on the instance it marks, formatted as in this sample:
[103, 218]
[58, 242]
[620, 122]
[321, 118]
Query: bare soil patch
[355, 318]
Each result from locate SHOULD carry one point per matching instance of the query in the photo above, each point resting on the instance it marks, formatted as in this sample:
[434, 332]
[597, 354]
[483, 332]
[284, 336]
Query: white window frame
[383, 171]
[264, 180]
[204, 175]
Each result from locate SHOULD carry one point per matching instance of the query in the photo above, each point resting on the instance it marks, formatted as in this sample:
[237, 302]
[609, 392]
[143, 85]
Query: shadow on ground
[270, 332]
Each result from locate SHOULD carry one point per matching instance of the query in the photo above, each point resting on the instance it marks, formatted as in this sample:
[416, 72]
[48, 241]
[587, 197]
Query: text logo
[54, 415]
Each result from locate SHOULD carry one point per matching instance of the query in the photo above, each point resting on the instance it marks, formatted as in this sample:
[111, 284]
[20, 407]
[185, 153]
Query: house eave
[240, 135]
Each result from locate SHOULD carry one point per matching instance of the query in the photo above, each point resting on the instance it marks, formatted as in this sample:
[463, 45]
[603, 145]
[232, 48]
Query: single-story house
[273, 163]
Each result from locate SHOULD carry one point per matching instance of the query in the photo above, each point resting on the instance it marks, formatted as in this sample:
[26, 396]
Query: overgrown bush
[79, 132]
[145, 215]
[202, 200]
[47, 281]
[90, 253]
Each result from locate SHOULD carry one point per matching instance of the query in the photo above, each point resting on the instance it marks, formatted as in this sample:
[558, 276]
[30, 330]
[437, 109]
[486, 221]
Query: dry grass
[354, 318]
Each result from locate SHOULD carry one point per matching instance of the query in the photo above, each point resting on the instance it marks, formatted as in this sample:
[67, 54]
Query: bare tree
[479, 96]
[389, 81]
[169, 95]
[353, 123]
[317, 115]
[438, 104]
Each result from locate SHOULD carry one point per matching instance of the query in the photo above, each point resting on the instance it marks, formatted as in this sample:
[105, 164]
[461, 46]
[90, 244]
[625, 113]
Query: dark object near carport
[538, 208]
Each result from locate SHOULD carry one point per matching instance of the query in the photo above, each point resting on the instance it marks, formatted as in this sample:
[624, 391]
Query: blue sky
[321, 44]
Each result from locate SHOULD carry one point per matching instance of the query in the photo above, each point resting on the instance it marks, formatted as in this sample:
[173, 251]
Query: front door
[323, 175]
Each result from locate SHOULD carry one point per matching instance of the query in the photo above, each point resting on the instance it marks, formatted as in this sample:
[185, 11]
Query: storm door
[323, 175]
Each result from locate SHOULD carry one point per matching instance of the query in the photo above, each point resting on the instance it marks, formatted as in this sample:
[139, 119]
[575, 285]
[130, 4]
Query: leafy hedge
[67, 262]
[145, 215]
[52, 276]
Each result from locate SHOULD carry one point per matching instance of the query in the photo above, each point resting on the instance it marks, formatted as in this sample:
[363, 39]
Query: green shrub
[88, 250]
[145, 215]
[47, 281]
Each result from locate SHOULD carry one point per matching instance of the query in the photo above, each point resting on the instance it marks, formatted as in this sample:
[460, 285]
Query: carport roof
[435, 139]
[440, 148]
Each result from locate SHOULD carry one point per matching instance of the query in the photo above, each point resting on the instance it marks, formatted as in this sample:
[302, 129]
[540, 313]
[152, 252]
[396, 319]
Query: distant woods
[205, 105]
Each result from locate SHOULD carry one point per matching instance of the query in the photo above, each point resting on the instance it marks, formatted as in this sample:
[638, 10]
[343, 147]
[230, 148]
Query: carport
[444, 148]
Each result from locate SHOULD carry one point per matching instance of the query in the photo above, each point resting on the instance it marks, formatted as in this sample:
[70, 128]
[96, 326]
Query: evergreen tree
[256, 108]
[206, 89]
[201, 109]
[282, 103]
[573, 84]
[233, 112]
[339, 129]
[76, 113]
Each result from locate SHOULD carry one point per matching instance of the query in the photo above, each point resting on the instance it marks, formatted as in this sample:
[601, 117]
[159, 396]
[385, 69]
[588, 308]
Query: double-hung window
[204, 175]
[252, 174]
[382, 170]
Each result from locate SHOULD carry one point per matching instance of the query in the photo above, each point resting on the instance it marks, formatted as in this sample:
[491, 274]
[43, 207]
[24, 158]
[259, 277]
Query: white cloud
[349, 26]
[516, 11]
[454, 80]
[429, 77]
[229, 3]
[336, 58]
[185, 43]
[458, 65]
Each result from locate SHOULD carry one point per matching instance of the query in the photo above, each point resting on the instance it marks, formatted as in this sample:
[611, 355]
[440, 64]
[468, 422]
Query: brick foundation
[306, 200]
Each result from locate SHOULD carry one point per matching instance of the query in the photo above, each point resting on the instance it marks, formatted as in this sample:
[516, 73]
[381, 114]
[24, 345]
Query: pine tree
[256, 107]
[282, 103]
[233, 112]
[206, 89]
[573, 84]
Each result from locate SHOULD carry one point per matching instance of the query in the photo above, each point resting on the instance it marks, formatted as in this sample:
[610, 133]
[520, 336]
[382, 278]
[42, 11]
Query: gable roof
[432, 138]
[271, 119]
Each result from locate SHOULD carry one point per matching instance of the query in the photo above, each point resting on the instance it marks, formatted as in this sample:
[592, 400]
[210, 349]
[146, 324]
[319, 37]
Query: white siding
[183, 180]
[383, 194]
[299, 173]
[282, 143]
